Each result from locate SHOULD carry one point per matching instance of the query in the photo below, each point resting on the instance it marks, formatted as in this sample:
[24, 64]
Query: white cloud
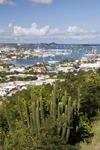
[76, 31]
[42, 1]
[5, 2]
[10, 25]
[56, 31]
[2, 1]
[72, 33]
[33, 31]
[72, 30]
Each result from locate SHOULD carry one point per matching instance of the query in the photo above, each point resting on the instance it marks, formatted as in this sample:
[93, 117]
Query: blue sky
[60, 21]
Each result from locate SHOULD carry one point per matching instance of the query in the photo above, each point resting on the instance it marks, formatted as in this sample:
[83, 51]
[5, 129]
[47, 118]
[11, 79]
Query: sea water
[74, 54]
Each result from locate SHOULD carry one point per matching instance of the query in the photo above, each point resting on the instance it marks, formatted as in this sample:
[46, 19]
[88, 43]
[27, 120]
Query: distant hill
[46, 44]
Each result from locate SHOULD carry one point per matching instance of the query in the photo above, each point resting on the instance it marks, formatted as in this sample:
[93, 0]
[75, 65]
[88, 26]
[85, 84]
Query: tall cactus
[51, 105]
[34, 114]
[41, 108]
[59, 120]
[62, 109]
[69, 110]
[64, 114]
[64, 125]
[65, 122]
[27, 117]
[54, 103]
[78, 105]
[32, 97]
[51, 108]
[68, 134]
[38, 120]
[20, 111]
[65, 98]
[31, 121]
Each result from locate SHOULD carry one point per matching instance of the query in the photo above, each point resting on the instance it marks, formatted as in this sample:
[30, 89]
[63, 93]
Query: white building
[19, 69]
[66, 69]
[90, 65]
[10, 87]
[14, 57]
[3, 92]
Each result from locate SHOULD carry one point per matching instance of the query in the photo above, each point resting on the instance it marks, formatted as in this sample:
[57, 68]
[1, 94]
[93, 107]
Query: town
[14, 78]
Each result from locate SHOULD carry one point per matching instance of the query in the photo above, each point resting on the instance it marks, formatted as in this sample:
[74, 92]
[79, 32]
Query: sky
[46, 21]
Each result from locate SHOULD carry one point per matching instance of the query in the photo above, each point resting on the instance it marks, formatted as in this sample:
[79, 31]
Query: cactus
[64, 125]
[59, 119]
[20, 112]
[51, 109]
[52, 96]
[41, 108]
[69, 110]
[67, 135]
[58, 112]
[51, 104]
[38, 120]
[34, 114]
[54, 103]
[64, 114]
[37, 103]
[32, 97]
[66, 110]
[78, 105]
[31, 121]
[27, 117]
[40, 92]
[62, 109]
[65, 98]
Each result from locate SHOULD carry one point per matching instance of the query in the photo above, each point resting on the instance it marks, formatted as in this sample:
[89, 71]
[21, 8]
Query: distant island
[76, 46]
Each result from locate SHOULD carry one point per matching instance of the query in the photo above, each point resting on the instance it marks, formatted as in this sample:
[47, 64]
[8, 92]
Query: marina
[43, 54]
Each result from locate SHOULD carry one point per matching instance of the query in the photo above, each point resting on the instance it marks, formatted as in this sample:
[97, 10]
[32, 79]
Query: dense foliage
[83, 87]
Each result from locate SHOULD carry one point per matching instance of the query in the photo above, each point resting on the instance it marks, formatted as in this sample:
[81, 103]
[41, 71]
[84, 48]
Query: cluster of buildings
[11, 88]
[91, 53]
[39, 76]
[12, 69]
[37, 69]
[7, 54]
[77, 65]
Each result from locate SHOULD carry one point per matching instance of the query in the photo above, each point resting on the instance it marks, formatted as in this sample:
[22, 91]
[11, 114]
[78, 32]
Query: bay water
[75, 53]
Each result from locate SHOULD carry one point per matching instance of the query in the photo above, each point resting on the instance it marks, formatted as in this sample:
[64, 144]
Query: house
[14, 57]
[10, 87]
[37, 82]
[19, 69]
[3, 92]
[41, 77]
[66, 69]
[19, 84]
[90, 65]
[53, 62]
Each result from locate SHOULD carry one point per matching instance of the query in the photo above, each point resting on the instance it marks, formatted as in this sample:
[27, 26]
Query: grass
[95, 141]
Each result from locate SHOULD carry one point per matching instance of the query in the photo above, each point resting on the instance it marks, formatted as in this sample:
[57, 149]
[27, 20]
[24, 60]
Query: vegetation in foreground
[54, 118]
[95, 141]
